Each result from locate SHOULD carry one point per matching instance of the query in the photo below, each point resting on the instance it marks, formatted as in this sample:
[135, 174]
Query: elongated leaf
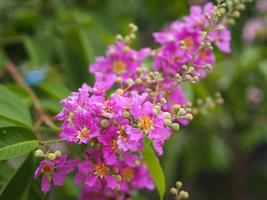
[154, 168]
[16, 141]
[18, 184]
[13, 109]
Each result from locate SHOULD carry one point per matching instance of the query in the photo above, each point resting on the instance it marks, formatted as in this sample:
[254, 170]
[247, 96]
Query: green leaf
[15, 141]
[13, 109]
[19, 183]
[154, 168]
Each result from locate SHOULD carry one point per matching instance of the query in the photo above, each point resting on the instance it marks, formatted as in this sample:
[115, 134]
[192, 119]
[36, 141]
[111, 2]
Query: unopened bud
[130, 81]
[126, 49]
[176, 107]
[188, 117]
[38, 153]
[183, 194]
[179, 184]
[167, 115]
[138, 81]
[120, 91]
[126, 115]
[119, 80]
[119, 37]
[118, 177]
[133, 27]
[118, 187]
[58, 153]
[51, 156]
[175, 126]
[174, 191]
[168, 122]
[104, 123]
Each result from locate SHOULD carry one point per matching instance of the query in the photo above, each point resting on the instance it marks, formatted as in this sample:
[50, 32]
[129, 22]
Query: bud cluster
[131, 102]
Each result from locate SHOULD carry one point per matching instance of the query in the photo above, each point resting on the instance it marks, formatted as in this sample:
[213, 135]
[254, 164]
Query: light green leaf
[154, 168]
[19, 183]
[15, 141]
[13, 109]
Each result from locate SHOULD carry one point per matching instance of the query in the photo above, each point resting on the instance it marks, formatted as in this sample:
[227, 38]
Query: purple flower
[55, 171]
[120, 60]
[253, 29]
[95, 173]
[152, 125]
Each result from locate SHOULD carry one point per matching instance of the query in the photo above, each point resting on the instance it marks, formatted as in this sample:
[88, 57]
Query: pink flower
[151, 125]
[120, 60]
[55, 171]
[95, 173]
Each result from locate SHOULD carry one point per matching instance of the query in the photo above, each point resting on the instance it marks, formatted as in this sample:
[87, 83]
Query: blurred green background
[221, 155]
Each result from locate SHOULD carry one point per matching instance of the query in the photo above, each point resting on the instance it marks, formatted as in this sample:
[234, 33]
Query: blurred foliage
[221, 155]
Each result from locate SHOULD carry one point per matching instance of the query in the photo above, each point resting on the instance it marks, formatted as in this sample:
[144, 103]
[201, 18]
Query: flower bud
[167, 122]
[179, 184]
[119, 37]
[126, 49]
[175, 126]
[58, 153]
[188, 117]
[38, 153]
[119, 80]
[130, 81]
[174, 191]
[126, 115]
[138, 81]
[183, 194]
[167, 115]
[51, 156]
[118, 177]
[120, 91]
[104, 123]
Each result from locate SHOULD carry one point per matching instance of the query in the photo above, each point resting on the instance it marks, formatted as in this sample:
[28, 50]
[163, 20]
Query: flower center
[123, 134]
[203, 54]
[101, 170]
[84, 133]
[189, 43]
[145, 123]
[127, 174]
[114, 145]
[48, 168]
[176, 58]
[119, 66]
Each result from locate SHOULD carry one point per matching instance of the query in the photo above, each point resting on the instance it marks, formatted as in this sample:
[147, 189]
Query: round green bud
[183, 194]
[236, 14]
[38, 153]
[188, 117]
[118, 177]
[119, 80]
[231, 22]
[58, 153]
[126, 49]
[130, 81]
[138, 81]
[168, 122]
[104, 123]
[179, 184]
[176, 107]
[173, 191]
[51, 156]
[167, 115]
[119, 37]
[175, 126]
[126, 115]
[118, 187]
[120, 91]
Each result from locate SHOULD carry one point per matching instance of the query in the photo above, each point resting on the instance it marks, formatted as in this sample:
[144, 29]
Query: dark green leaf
[154, 168]
[13, 109]
[16, 141]
[19, 183]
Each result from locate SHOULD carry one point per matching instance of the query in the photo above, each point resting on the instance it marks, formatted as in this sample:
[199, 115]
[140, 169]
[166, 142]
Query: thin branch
[42, 116]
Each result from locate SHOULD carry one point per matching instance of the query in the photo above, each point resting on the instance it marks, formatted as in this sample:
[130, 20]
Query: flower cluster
[132, 103]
